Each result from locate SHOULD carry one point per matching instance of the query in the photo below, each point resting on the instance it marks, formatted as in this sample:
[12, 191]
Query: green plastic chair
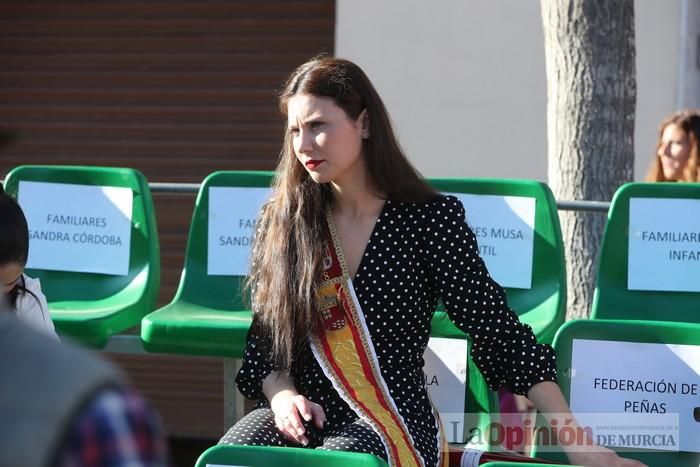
[658, 332]
[207, 316]
[543, 306]
[263, 456]
[612, 299]
[91, 307]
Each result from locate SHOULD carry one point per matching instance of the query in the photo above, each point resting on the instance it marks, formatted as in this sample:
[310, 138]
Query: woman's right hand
[291, 410]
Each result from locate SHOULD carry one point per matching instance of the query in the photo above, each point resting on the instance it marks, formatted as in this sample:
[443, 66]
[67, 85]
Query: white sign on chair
[79, 228]
[505, 230]
[638, 395]
[233, 216]
[664, 245]
[445, 372]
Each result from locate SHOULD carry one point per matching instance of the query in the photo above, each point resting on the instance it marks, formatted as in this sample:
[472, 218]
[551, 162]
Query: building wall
[689, 62]
[658, 51]
[175, 88]
[465, 80]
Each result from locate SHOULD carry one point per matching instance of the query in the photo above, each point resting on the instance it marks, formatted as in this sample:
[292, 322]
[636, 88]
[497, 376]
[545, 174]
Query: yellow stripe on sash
[346, 357]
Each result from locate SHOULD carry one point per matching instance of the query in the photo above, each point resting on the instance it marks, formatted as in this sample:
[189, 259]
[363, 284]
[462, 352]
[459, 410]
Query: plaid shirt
[117, 429]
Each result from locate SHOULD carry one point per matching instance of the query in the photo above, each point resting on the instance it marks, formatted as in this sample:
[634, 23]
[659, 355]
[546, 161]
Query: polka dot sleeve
[256, 364]
[504, 349]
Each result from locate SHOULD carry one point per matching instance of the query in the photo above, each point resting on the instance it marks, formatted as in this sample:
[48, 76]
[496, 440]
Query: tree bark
[591, 96]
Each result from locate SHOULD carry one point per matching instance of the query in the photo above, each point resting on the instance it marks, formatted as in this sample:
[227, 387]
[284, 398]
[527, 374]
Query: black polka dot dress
[418, 253]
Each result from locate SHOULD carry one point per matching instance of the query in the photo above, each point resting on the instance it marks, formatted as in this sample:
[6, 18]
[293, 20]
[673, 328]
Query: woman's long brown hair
[289, 244]
[689, 122]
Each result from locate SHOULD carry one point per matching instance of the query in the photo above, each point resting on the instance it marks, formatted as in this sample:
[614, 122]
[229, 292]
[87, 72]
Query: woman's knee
[255, 429]
[356, 437]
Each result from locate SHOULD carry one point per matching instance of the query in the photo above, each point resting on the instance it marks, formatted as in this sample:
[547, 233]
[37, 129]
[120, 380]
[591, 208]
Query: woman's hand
[548, 398]
[291, 410]
[599, 456]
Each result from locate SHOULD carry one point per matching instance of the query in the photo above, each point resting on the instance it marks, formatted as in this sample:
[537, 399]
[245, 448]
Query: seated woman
[677, 156]
[21, 291]
[351, 256]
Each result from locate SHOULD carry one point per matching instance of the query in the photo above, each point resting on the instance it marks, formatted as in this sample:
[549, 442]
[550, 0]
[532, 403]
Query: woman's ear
[363, 119]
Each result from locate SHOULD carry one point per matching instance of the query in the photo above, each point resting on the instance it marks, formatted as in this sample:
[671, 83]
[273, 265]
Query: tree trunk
[591, 94]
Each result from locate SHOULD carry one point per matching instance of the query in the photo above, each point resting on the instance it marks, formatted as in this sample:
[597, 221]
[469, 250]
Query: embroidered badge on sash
[331, 313]
[329, 293]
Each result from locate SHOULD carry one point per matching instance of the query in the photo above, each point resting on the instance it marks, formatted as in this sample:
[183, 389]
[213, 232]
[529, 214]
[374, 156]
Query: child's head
[14, 243]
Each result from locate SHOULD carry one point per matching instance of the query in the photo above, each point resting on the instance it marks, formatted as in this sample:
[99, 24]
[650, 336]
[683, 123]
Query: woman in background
[677, 149]
[21, 292]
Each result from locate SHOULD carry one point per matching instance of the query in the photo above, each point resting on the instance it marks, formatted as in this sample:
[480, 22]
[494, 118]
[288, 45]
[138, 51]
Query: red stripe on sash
[353, 394]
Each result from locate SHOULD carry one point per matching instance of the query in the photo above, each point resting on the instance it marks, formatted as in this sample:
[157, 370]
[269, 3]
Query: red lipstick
[313, 163]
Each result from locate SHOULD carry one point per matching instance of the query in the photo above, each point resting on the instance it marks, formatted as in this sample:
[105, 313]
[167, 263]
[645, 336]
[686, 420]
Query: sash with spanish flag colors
[343, 348]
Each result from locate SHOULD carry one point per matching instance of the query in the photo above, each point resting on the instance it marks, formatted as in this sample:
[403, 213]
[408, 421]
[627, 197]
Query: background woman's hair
[689, 122]
[289, 243]
[14, 233]
[14, 241]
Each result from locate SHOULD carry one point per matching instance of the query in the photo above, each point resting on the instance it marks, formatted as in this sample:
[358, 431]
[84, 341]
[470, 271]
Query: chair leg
[234, 408]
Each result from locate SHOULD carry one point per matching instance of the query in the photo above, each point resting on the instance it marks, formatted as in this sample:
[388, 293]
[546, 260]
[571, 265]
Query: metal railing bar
[578, 205]
[157, 187]
[563, 205]
[124, 343]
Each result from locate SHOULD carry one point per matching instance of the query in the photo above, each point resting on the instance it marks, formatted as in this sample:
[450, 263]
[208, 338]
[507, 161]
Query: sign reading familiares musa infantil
[664, 245]
[504, 229]
[79, 228]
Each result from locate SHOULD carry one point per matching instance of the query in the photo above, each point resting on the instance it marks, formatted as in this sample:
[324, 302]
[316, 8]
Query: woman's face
[674, 150]
[9, 275]
[326, 141]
